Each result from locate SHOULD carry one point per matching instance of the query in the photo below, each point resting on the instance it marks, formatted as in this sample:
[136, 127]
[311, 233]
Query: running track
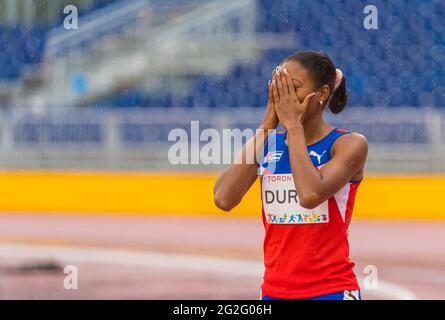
[195, 258]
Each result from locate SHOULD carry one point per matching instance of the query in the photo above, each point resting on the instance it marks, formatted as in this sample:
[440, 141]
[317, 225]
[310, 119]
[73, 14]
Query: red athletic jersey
[306, 252]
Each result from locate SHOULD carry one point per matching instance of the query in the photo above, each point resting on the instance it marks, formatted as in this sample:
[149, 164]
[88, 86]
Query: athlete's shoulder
[354, 137]
[353, 141]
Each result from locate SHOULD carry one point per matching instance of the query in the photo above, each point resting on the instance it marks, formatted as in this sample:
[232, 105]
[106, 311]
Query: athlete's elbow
[308, 204]
[309, 201]
[223, 203]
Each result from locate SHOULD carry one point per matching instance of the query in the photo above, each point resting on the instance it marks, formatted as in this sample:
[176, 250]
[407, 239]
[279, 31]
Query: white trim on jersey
[342, 198]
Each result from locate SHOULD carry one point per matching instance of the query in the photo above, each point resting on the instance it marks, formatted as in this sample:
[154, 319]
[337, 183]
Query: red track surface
[409, 256]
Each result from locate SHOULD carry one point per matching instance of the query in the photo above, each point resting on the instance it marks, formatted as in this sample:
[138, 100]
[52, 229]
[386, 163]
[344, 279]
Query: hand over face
[287, 105]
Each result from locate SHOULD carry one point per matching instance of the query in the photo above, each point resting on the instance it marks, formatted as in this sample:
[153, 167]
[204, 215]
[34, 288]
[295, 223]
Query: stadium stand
[400, 64]
[379, 68]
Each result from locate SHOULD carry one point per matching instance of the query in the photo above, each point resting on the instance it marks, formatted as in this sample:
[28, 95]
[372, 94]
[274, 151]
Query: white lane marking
[133, 258]
[71, 255]
[393, 291]
[418, 274]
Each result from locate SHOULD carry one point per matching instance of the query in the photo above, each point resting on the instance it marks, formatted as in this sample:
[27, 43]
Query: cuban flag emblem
[274, 156]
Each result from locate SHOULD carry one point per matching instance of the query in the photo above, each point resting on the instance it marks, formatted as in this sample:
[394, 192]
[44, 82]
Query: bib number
[282, 206]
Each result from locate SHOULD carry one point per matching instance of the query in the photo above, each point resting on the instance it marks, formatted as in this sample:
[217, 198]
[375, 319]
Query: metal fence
[400, 139]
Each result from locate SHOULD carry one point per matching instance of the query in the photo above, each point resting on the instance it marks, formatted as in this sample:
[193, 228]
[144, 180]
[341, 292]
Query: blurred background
[87, 104]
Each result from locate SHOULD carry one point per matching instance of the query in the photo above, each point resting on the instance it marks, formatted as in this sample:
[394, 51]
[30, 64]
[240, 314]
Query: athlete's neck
[315, 129]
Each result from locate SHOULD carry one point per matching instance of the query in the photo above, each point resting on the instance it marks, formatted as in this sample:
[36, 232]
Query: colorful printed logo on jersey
[273, 156]
[318, 156]
[313, 217]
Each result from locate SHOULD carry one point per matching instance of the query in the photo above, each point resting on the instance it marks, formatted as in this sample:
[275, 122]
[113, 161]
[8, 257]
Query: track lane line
[223, 266]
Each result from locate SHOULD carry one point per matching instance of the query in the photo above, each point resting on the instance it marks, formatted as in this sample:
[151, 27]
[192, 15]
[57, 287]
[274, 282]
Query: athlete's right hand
[270, 120]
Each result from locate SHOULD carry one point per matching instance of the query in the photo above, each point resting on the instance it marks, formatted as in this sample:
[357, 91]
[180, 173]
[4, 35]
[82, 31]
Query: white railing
[202, 39]
[400, 139]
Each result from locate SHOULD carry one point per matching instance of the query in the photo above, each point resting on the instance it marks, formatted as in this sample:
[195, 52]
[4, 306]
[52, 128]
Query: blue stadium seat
[400, 64]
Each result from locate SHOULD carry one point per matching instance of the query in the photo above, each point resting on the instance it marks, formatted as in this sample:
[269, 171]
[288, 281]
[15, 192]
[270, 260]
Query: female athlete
[309, 177]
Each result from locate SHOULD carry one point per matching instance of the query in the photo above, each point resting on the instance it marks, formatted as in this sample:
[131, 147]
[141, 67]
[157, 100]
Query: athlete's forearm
[234, 182]
[307, 179]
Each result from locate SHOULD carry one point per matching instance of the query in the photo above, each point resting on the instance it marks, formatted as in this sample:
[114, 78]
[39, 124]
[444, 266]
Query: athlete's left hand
[289, 109]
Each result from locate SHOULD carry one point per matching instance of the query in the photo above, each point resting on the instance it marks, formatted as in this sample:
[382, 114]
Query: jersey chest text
[282, 206]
